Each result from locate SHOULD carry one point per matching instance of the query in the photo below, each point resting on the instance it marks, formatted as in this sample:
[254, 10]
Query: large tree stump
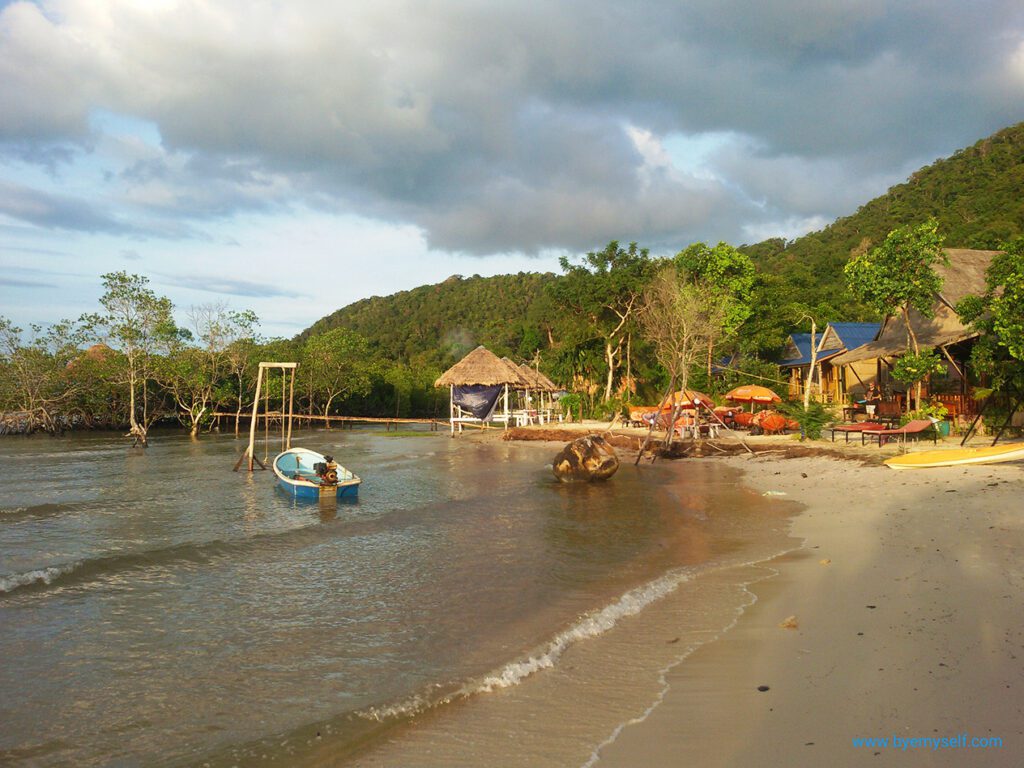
[584, 460]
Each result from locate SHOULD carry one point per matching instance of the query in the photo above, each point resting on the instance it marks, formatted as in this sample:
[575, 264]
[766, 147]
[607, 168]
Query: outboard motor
[327, 471]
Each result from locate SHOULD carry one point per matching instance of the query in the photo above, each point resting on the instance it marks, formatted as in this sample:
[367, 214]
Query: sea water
[158, 608]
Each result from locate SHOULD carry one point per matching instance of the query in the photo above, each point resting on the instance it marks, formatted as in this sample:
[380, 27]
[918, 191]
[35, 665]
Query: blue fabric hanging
[477, 399]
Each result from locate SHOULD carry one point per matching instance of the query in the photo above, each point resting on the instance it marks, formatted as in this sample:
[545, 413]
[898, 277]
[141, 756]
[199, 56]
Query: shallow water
[156, 607]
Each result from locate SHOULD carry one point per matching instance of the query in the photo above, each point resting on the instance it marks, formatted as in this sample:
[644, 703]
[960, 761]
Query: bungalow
[831, 381]
[963, 276]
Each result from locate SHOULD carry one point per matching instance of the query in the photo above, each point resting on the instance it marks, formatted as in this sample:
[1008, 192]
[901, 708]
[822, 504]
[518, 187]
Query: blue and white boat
[307, 474]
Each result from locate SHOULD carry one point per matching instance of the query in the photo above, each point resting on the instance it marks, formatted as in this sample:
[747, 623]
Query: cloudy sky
[293, 156]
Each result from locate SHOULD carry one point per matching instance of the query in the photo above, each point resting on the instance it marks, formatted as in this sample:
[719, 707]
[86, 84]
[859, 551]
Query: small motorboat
[310, 475]
[955, 457]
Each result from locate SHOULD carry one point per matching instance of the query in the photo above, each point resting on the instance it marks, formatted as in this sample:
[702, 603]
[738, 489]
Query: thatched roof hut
[480, 367]
[538, 381]
[522, 381]
[964, 275]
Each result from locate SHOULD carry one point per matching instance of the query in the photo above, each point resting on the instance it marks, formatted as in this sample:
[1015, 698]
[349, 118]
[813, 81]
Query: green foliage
[748, 369]
[336, 363]
[933, 409]
[603, 292]
[570, 405]
[811, 419]
[975, 196]
[998, 316]
[912, 368]
[436, 325]
[726, 272]
[900, 274]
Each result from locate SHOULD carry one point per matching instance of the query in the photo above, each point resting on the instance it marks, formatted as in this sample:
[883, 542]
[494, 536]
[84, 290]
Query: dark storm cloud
[510, 127]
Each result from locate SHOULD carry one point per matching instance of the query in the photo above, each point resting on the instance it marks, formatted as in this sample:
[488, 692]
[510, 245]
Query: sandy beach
[893, 613]
[908, 623]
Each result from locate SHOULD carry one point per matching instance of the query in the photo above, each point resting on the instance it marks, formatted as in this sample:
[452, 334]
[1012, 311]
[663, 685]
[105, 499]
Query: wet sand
[907, 598]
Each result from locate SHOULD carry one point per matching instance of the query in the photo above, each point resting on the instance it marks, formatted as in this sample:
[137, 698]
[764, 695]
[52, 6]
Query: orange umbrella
[689, 399]
[753, 393]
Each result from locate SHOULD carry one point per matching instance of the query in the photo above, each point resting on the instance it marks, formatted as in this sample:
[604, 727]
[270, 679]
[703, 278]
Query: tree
[900, 275]
[336, 363]
[605, 290]
[240, 356]
[678, 317]
[728, 274]
[137, 322]
[34, 374]
[998, 315]
[194, 373]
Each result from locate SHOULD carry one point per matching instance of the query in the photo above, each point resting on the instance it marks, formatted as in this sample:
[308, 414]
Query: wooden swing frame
[286, 436]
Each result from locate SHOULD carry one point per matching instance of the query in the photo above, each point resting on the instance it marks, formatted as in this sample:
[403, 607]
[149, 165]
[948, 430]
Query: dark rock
[584, 460]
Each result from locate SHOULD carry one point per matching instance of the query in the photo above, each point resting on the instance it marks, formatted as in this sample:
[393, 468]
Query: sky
[294, 156]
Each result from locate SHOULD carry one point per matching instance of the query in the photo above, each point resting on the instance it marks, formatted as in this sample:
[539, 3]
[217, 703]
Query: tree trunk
[912, 338]
[629, 368]
[810, 372]
[136, 431]
[609, 356]
[238, 413]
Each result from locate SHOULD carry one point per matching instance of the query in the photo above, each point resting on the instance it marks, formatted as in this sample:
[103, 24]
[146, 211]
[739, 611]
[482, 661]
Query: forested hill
[434, 324]
[977, 196]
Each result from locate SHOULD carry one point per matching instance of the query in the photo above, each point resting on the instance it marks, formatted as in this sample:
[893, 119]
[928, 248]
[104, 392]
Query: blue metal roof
[805, 356]
[852, 335]
[855, 335]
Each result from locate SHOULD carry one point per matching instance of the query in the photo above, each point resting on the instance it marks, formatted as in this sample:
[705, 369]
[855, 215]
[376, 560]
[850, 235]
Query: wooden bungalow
[963, 276]
[797, 361]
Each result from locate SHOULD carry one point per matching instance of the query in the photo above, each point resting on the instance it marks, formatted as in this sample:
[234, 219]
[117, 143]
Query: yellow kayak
[958, 457]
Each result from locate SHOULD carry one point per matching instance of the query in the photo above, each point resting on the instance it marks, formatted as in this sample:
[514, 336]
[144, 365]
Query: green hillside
[434, 325]
[977, 196]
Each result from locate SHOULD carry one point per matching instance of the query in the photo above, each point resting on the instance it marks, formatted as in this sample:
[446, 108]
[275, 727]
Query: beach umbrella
[752, 393]
[689, 399]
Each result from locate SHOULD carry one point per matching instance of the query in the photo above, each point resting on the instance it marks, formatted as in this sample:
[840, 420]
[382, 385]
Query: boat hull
[295, 476]
[957, 457]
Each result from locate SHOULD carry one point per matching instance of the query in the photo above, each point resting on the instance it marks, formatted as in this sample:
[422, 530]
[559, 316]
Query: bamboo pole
[252, 425]
[291, 409]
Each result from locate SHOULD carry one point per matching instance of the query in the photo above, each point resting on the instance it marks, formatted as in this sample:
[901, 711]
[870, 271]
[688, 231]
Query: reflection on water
[157, 606]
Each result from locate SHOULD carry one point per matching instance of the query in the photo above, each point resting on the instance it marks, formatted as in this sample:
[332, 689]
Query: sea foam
[589, 625]
[46, 575]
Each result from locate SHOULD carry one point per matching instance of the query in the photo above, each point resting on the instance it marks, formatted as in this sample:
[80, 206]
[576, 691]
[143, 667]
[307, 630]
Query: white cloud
[465, 129]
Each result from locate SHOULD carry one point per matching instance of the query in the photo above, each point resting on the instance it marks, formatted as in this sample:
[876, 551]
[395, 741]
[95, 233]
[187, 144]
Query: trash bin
[943, 427]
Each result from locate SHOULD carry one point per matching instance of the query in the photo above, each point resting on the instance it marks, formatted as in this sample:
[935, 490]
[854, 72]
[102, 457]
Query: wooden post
[255, 416]
[451, 407]
[291, 410]
[250, 451]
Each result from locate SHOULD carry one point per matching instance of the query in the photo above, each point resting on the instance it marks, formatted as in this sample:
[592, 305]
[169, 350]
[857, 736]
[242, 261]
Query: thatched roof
[547, 382]
[481, 366]
[964, 275]
[522, 381]
[538, 381]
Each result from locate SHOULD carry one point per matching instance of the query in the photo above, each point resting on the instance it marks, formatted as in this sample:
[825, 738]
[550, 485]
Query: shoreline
[904, 594]
[889, 637]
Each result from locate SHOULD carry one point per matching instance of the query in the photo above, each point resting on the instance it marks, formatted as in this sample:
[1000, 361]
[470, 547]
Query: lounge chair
[861, 426]
[915, 429]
